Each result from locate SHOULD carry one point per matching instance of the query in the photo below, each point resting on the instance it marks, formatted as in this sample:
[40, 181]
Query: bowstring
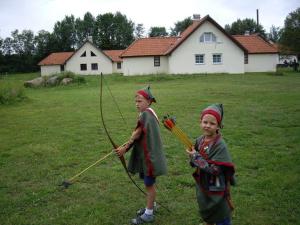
[116, 103]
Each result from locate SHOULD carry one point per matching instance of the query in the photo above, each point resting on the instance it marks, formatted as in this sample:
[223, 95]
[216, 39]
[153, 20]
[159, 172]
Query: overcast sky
[38, 15]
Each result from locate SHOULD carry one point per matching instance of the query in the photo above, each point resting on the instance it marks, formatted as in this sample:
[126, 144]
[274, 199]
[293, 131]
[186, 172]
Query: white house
[262, 56]
[204, 47]
[87, 60]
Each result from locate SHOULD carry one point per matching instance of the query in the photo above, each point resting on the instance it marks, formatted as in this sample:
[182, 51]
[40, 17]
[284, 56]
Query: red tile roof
[166, 45]
[156, 46]
[255, 44]
[149, 46]
[114, 55]
[56, 58]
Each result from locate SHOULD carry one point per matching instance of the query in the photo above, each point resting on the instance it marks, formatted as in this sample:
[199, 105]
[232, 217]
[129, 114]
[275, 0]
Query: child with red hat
[147, 157]
[214, 169]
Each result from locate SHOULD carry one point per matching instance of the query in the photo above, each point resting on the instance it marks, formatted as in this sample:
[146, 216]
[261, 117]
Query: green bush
[66, 74]
[10, 93]
[79, 79]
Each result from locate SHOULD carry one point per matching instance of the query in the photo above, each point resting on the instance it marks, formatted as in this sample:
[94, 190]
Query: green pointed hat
[146, 93]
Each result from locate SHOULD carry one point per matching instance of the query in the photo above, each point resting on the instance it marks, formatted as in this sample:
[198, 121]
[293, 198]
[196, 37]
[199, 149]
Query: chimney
[247, 33]
[196, 17]
[90, 39]
[257, 17]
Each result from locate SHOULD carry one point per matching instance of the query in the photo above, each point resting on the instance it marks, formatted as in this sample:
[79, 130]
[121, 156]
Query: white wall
[261, 63]
[49, 70]
[104, 63]
[115, 68]
[144, 65]
[182, 60]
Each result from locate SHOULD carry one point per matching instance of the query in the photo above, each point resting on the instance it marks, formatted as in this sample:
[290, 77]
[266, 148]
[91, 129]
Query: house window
[199, 58]
[83, 67]
[62, 68]
[119, 65]
[94, 66]
[93, 54]
[208, 37]
[156, 61]
[83, 54]
[217, 58]
[246, 58]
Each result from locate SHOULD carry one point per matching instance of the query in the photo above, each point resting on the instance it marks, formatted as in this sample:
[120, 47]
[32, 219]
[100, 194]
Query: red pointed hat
[216, 110]
[146, 93]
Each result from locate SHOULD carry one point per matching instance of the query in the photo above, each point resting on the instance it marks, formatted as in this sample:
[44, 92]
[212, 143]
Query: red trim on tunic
[197, 173]
[203, 144]
[150, 168]
[227, 164]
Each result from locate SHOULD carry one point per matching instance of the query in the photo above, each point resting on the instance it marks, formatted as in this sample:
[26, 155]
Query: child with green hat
[214, 169]
[147, 157]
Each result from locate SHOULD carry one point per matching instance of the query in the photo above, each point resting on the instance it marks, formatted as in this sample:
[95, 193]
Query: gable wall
[115, 68]
[104, 63]
[182, 60]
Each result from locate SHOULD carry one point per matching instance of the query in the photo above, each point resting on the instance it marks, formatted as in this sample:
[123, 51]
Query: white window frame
[218, 55]
[119, 65]
[156, 61]
[83, 67]
[208, 37]
[246, 58]
[94, 66]
[198, 59]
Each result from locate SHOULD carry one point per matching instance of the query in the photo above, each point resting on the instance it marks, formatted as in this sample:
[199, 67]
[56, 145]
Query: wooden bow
[115, 146]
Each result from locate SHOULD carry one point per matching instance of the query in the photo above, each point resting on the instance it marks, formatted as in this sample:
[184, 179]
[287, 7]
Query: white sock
[149, 211]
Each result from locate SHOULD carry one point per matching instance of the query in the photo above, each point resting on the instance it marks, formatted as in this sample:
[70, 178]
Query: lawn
[56, 132]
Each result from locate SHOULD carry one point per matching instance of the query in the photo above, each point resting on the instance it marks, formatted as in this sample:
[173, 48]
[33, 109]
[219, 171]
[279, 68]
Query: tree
[84, 28]
[7, 46]
[158, 32]
[290, 38]
[180, 26]
[274, 34]
[1, 44]
[42, 44]
[243, 26]
[113, 31]
[139, 31]
[64, 34]
[23, 43]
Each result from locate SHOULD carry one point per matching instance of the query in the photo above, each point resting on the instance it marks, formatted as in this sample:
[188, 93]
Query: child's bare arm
[136, 134]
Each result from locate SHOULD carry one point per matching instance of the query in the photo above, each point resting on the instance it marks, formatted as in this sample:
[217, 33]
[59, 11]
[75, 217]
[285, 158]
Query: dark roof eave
[51, 64]
[256, 53]
[132, 56]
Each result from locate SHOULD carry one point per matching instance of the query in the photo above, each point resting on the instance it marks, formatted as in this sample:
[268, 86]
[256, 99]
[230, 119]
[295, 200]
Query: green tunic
[212, 195]
[147, 155]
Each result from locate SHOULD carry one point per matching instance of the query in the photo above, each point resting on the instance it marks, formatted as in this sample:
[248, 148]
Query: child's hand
[191, 152]
[120, 151]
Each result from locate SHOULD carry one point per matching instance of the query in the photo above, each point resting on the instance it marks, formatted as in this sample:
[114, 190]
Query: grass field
[56, 132]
